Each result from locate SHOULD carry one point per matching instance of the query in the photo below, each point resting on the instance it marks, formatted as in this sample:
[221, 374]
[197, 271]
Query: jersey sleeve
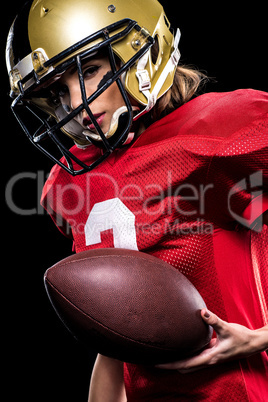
[54, 188]
[238, 175]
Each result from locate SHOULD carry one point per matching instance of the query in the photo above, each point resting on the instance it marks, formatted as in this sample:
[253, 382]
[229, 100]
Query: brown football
[128, 305]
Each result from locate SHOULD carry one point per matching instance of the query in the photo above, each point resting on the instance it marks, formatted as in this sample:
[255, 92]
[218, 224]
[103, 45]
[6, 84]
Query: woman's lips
[88, 123]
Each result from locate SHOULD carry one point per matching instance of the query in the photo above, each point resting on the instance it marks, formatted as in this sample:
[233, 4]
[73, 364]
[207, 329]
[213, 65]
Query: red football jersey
[187, 191]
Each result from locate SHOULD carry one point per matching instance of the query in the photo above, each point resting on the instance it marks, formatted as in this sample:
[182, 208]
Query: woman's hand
[233, 341]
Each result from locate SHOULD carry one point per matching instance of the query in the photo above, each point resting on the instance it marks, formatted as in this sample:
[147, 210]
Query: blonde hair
[186, 83]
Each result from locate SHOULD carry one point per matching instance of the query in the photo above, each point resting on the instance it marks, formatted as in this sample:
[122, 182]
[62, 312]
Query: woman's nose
[75, 96]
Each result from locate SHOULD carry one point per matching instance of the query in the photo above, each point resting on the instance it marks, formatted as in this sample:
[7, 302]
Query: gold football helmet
[49, 36]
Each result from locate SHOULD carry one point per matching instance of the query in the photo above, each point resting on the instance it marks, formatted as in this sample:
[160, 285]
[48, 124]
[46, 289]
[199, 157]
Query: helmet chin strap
[113, 125]
[76, 129]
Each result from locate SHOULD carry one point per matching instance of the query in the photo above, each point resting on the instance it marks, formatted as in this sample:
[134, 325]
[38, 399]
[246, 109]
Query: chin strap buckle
[144, 80]
[175, 57]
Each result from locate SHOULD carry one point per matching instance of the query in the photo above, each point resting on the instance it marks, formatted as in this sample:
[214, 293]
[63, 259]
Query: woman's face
[95, 72]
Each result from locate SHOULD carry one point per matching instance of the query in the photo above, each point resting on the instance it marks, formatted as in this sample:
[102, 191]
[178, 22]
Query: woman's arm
[233, 341]
[107, 381]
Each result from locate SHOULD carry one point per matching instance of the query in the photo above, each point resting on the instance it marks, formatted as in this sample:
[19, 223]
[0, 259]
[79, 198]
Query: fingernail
[207, 314]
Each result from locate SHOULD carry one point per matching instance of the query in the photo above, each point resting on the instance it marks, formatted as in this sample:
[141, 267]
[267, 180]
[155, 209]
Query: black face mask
[45, 131]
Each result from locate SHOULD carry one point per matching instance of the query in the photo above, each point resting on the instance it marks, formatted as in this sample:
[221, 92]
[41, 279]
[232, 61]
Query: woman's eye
[89, 71]
[63, 90]
[59, 90]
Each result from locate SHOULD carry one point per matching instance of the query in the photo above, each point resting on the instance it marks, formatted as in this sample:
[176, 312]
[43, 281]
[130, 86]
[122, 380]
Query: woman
[154, 169]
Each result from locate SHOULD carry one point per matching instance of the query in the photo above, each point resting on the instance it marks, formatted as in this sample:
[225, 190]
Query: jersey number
[112, 214]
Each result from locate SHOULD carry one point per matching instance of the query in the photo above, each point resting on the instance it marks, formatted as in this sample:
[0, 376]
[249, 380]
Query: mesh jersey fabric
[187, 191]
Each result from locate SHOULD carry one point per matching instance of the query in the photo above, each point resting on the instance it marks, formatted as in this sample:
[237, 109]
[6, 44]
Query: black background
[44, 362]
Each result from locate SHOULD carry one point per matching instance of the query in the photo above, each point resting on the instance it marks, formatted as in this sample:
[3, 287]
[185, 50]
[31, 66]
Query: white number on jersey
[112, 214]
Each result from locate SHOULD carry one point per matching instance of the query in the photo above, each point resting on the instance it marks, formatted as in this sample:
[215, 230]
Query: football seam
[104, 326]
[63, 263]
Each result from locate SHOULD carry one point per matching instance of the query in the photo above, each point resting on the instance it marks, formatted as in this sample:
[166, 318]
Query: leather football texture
[128, 305]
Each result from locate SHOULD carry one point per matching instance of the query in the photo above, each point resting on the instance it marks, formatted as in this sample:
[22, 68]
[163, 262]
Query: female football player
[143, 163]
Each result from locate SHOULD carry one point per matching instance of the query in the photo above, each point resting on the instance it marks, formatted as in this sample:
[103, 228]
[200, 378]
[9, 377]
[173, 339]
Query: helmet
[49, 36]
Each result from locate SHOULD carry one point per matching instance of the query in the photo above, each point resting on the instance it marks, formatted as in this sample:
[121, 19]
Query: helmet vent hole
[166, 21]
[44, 11]
[155, 50]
